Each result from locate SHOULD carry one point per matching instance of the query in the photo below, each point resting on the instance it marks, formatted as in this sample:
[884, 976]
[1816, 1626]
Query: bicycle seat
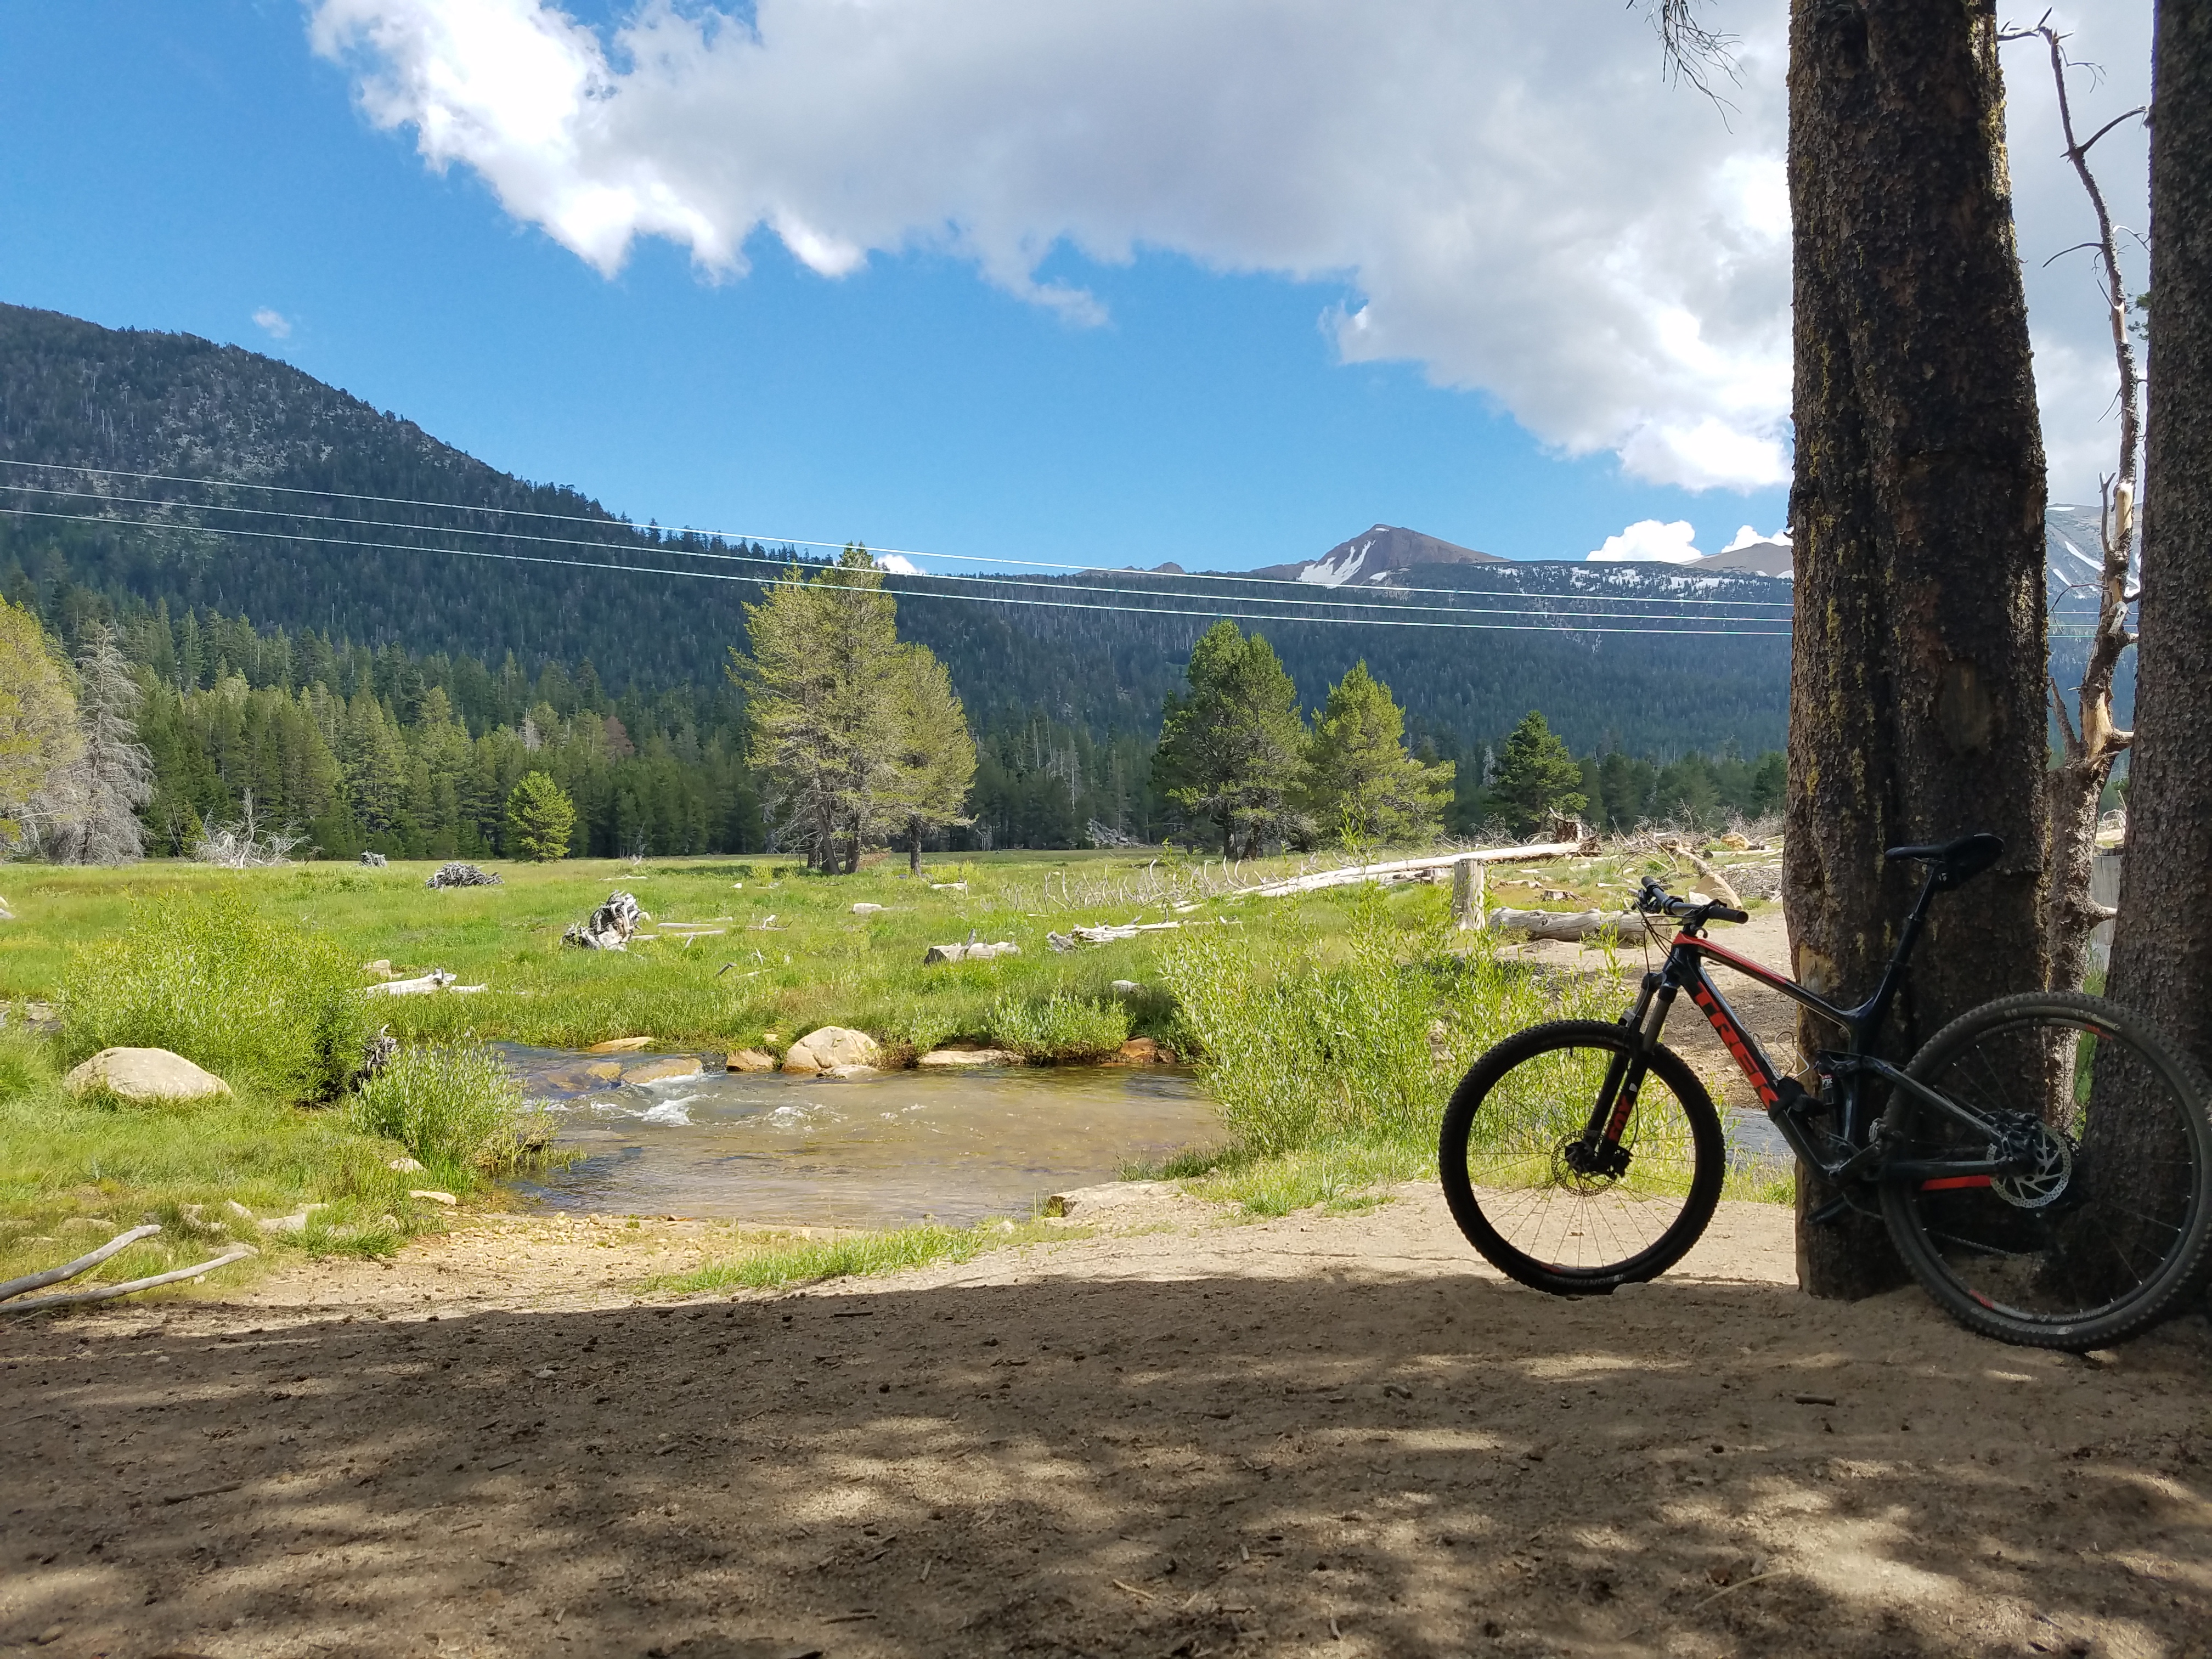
[1955, 861]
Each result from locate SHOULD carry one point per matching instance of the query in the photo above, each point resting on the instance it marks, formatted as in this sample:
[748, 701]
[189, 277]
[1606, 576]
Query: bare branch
[1692, 52]
[2083, 148]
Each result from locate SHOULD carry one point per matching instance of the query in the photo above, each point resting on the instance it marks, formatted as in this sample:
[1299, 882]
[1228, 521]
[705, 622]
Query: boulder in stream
[830, 1047]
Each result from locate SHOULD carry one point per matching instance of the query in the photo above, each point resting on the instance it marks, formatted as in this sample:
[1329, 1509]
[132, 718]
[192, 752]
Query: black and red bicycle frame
[1833, 1131]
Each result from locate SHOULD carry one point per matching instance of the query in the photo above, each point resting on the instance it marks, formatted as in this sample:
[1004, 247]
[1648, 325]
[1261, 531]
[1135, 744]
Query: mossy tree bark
[1916, 708]
[2161, 965]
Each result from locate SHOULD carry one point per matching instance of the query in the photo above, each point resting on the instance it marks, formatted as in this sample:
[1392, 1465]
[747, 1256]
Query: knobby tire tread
[1712, 1160]
[2185, 1280]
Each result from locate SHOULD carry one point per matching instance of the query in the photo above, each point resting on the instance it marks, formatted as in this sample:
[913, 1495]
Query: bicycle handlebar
[1656, 900]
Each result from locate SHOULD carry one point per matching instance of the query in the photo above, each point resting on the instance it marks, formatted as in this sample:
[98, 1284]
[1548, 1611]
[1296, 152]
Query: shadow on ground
[1342, 1466]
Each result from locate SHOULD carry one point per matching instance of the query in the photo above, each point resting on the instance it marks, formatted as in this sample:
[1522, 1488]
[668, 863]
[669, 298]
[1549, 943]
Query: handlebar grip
[1722, 913]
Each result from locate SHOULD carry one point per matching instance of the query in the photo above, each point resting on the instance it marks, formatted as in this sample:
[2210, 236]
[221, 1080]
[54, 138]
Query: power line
[1535, 604]
[1564, 624]
[788, 541]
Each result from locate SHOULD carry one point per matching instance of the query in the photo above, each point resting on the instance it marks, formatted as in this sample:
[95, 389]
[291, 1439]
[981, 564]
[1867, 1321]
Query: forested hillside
[360, 527]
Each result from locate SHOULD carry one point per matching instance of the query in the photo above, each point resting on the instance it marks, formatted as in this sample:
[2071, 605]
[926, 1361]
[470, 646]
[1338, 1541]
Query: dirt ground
[1176, 1436]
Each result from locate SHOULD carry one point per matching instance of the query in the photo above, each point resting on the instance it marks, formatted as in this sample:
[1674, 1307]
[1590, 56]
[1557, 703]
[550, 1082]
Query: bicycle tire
[1486, 1223]
[2126, 1177]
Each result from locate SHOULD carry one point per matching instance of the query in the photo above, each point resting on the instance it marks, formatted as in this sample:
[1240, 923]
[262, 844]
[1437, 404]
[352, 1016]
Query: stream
[955, 1147]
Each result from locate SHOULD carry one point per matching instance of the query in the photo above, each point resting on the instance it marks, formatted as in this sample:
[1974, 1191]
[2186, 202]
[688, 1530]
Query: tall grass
[454, 1106]
[1358, 1037]
[262, 1003]
[1062, 1027]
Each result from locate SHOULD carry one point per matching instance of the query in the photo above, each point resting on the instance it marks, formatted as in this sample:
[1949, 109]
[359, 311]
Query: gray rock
[956, 1059]
[143, 1074]
[750, 1059]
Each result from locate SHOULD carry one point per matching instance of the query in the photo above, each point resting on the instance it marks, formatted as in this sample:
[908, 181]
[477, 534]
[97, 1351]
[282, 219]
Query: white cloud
[275, 324]
[1511, 194]
[898, 565]
[1649, 542]
[1748, 537]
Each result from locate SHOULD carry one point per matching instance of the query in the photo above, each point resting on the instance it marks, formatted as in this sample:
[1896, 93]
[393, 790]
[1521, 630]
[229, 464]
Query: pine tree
[1536, 776]
[540, 818]
[824, 725]
[39, 733]
[1232, 752]
[936, 761]
[1361, 780]
[91, 804]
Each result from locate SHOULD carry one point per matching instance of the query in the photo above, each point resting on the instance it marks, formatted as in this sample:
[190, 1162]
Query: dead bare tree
[2090, 741]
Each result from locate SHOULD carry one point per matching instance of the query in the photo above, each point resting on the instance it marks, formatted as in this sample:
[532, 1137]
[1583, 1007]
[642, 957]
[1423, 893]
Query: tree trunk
[913, 848]
[2161, 961]
[1918, 668]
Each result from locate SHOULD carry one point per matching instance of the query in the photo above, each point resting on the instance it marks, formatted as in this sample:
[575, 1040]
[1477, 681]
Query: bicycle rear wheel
[2108, 1228]
[1504, 1161]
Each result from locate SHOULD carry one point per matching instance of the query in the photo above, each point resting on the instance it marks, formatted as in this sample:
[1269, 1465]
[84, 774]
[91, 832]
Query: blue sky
[188, 166]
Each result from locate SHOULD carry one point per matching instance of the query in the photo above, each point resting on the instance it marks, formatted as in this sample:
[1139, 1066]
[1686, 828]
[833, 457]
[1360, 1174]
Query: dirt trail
[1341, 1437]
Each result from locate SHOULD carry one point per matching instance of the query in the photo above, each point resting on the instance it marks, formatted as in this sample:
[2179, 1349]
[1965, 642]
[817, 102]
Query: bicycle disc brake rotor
[2046, 1157]
[1577, 1169]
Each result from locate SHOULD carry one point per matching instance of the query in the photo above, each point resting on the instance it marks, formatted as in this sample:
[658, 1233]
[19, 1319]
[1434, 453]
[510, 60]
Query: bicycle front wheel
[1525, 1197]
[2103, 1227]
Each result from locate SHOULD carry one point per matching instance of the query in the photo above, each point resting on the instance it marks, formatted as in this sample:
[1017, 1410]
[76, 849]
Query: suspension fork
[1624, 1077]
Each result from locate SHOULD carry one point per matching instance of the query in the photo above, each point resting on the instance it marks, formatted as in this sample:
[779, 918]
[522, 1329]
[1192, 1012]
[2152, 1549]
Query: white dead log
[436, 980]
[108, 1293]
[1405, 869]
[1469, 889]
[611, 928]
[970, 952]
[39, 1281]
[1565, 924]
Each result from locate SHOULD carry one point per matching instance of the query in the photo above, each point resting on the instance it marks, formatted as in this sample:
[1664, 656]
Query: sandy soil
[1176, 1437]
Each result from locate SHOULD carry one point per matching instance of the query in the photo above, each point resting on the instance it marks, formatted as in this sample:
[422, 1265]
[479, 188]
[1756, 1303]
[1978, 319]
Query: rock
[865, 909]
[653, 1071]
[88, 1224]
[830, 1047]
[750, 1059]
[374, 860]
[1143, 1051]
[380, 968]
[850, 1071]
[611, 927]
[6, 915]
[462, 875]
[238, 1209]
[1127, 988]
[620, 1045]
[404, 1166]
[143, 1074]
[1113, 1195]
[938, 1059]
[294, 1223]
[433, 1195]
[1735, 843]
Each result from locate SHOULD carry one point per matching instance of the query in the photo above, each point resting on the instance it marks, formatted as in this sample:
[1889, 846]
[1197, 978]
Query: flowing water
[903, 1146]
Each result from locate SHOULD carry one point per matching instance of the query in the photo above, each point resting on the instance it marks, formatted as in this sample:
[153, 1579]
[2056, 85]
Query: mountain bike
[2043, 1162]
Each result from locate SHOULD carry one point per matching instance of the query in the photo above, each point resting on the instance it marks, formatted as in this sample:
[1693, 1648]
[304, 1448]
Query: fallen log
[436, 980]
[108, 1293]
[39, 1281]
[969, 952]
[1578, 925]
[1405, 869]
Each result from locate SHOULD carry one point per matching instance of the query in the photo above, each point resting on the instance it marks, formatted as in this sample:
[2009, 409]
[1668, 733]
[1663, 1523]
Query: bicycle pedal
[1831, 1213]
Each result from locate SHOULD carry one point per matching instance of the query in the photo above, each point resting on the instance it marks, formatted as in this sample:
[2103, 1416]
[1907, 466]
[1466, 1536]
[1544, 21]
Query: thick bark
[2161, 961]
[1916, 708]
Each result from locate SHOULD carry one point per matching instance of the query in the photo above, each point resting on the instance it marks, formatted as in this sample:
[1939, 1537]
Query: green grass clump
[1060, 1028]
[262, 1003]
[767, 1262]
[73, 1172]
[454, 1106]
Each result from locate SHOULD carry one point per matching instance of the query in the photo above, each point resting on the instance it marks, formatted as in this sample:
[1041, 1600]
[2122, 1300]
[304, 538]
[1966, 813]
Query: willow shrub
[1361, 1035]
[454, 1106]
[265, 1005]
[1062, 1027]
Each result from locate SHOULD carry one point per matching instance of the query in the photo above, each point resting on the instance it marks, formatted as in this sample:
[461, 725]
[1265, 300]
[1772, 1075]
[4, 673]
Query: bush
[454, 1106]
[260, 1003]
[1062, 1027]
[1306, 1047]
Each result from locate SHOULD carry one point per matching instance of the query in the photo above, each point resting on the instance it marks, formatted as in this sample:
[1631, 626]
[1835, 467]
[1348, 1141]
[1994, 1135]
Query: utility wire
[611, 522]
[1057, 584]
[1564, 624]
